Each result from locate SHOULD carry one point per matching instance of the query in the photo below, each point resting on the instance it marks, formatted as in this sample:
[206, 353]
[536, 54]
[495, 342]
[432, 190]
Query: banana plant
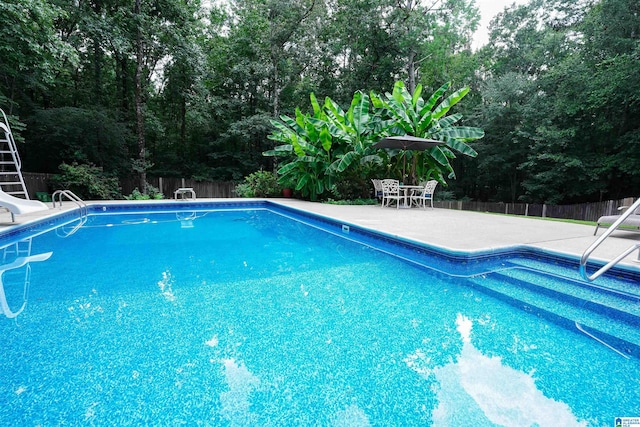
[325, 146]
[357, 129]
[428, 119]
[307, 149]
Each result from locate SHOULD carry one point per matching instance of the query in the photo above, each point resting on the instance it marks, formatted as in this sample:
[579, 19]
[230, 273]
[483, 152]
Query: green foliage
[259, 184]
[76, 135]
[359, 202]
[87, 182]
[428, 119]
[152, 193]
[556, 89]
[320, 147]
[331, 150]
[28, 41]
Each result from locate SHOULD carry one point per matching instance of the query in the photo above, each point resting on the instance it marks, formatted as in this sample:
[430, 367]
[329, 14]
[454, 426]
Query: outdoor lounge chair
[420, 197]
[631, 223]
[18, 206]
[391, 192]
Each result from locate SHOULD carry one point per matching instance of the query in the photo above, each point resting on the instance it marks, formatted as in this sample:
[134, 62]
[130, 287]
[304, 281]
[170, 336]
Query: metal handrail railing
[72, 197]
[587, 253]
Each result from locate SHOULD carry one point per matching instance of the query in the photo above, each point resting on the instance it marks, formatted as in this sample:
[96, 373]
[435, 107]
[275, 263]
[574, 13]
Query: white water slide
[18, 206]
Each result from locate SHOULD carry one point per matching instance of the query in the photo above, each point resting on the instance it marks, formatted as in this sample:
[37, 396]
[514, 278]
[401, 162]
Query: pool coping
[71, 215]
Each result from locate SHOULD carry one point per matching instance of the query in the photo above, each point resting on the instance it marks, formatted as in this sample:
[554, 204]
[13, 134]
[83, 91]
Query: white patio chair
[420, 197]
[377, 188]
[391, 192]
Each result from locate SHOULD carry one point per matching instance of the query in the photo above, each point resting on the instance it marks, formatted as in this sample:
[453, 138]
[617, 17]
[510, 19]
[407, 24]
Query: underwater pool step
[620, 334]
[572, 272]
[612, 302]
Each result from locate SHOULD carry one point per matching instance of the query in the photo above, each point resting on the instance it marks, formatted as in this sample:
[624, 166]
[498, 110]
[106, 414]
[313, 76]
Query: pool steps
[608, 316]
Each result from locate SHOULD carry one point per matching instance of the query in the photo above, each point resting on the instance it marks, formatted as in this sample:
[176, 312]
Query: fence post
[160, 185]
[544, 210]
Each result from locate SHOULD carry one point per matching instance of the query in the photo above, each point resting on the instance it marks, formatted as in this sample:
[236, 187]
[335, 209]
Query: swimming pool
[239, 314]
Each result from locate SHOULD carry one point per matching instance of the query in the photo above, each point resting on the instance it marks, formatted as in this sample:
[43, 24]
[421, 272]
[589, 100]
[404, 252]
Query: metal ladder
[587, 253]
[11, 180]
[68, 230]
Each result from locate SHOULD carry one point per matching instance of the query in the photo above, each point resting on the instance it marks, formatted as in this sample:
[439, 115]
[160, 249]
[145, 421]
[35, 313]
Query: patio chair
[632, 222]
[391, 192]
[377, 188]
[421, 196]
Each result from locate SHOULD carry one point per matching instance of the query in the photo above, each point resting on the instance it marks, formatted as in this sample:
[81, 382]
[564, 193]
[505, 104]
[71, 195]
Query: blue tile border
[356, 232]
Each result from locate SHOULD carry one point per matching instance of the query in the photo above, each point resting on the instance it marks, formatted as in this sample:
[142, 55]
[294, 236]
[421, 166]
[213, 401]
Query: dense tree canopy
[191, 88]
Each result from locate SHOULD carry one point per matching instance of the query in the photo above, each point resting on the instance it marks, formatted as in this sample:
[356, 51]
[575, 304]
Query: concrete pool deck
[449, 229]
[472, 231]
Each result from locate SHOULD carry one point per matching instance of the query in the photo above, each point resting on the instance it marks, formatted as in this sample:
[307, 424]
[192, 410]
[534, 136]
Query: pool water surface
[249, 318]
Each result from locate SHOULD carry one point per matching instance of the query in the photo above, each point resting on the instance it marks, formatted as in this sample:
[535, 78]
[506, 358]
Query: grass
[352, 202]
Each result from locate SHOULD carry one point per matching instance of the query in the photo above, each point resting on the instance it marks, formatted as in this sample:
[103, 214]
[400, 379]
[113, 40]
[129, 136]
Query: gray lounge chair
[631, 223]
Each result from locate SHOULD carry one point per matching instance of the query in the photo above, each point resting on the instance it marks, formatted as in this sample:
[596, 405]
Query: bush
[259, 184]
[87, 182]
[152, 193]
[352, 188]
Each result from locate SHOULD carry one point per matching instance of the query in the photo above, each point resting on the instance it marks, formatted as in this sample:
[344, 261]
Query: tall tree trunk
[276, 84]
[142, 154]
[411, 70]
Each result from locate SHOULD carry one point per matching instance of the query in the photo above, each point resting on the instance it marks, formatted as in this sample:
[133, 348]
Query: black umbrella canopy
[407, 142]
[404, 143]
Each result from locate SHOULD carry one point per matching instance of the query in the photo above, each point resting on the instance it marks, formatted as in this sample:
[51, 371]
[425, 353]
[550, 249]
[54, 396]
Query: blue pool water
[264, 317]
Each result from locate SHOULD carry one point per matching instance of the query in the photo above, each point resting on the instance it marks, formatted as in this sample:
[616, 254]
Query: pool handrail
[72, 197]
[587, 253]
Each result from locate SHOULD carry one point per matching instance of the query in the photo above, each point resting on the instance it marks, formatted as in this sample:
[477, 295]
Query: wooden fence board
[38, 182]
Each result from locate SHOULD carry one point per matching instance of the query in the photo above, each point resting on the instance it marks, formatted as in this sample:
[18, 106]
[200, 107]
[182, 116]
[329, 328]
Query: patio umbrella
[404, 143]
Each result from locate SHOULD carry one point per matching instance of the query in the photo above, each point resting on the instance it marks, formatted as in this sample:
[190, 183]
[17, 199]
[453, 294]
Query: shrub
[259, 184]
[152, 193]
[87, 182]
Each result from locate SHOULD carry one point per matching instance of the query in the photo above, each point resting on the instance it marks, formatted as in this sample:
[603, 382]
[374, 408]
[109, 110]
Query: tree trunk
[411, 70]
[139, 107]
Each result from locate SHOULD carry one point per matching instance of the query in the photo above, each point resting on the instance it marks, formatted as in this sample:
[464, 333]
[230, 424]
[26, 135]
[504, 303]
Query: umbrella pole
[404, 165]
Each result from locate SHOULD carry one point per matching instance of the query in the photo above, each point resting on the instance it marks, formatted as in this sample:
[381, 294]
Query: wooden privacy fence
[203, 189]
[38, 182]
[581, 211]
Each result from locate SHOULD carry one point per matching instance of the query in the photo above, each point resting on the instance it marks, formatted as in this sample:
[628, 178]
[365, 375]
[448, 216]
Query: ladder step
[10, 183]
[9, 173]
[6, 163]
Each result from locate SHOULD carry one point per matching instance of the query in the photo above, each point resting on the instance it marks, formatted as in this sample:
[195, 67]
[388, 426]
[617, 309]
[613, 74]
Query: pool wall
[462, 263]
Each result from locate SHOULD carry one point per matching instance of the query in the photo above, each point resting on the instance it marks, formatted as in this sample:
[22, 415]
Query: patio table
[405, 189]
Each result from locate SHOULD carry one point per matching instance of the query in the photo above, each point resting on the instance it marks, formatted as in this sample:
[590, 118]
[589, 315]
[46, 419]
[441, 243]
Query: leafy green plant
[359, 202]
[259, 184]
[152, 193]
[321, 146]
[331, 150]
[428, 119]
[87, 182]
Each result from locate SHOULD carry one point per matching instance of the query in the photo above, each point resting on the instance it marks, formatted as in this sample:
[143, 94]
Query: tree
[29, 42]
